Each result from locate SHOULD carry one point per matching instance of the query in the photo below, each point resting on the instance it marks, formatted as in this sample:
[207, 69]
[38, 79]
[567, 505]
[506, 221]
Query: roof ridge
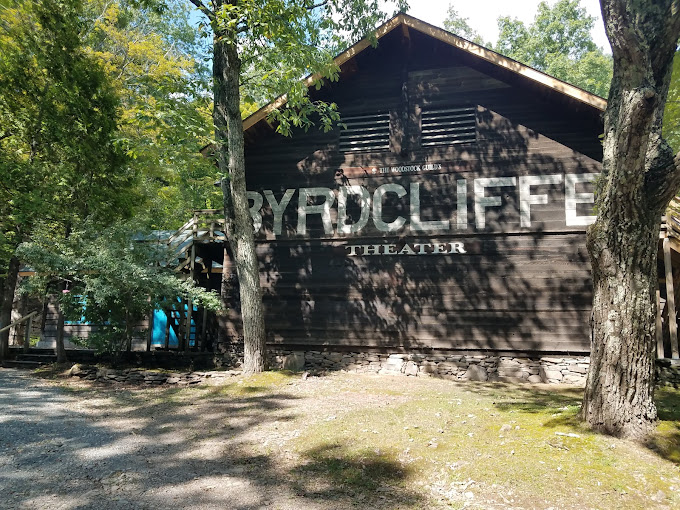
[442, 35]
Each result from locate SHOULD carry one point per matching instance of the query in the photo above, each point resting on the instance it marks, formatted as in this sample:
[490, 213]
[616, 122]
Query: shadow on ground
[528, 399]
[666, 442]
[174, 448]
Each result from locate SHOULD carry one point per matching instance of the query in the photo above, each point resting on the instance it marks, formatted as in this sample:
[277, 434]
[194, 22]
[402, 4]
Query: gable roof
[442, 35]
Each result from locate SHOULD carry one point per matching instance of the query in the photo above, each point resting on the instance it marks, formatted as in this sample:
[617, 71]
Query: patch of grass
[668, 404]
[504, 444]
[358, 470]
[53, 371]
[252, 385]
[666, 441]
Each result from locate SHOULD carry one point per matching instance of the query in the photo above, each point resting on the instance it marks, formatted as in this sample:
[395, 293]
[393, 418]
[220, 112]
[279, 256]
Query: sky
[482, 14]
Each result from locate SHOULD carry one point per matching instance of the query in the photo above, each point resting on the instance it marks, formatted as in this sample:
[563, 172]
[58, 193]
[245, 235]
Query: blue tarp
[160, 320]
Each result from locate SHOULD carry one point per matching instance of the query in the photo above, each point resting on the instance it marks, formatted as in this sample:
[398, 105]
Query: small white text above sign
[406, 169]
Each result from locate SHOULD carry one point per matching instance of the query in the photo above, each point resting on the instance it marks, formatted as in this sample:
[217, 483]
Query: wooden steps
[35, 358]
[27, 365]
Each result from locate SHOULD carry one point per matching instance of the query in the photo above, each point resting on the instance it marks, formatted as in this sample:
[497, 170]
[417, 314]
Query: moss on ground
[398, 442]
[494, 444]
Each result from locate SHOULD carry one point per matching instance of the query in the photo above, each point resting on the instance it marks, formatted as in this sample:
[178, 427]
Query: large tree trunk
[60, 349]
[225, 294]
[7, 303]
[619, 395]
[639, 177]
[239, 228]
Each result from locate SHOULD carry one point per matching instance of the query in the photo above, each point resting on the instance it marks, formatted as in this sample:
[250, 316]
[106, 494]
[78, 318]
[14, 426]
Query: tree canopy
[59, 118]
[59, 160]
[558, 42]
[103, 110]
[155, 60]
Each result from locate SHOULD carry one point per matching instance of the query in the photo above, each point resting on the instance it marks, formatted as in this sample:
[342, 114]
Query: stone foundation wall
[668, 373]
[460, 367]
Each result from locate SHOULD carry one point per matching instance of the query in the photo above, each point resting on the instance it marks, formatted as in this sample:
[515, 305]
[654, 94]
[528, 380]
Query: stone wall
[460, 367]
[150, 377]
[668, 372]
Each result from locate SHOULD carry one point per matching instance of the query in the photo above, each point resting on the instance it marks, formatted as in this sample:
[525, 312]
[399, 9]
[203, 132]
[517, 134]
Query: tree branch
[314, 6]
[201, 7]
[669, 29]
[620, 32]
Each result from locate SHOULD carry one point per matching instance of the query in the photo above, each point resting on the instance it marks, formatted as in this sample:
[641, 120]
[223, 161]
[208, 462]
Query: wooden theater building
[447, 219]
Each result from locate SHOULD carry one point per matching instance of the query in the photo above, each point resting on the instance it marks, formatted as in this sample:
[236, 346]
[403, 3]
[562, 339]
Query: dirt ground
[88, 446]
[338, 441]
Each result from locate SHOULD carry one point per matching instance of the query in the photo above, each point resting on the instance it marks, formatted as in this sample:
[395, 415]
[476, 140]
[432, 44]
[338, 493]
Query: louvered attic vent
[365, 133]
[447, 126]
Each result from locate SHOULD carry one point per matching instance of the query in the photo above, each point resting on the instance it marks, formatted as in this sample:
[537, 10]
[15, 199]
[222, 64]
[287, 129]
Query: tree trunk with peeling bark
[60, 349]
[639, 177]
[239, 224]
[7, 303]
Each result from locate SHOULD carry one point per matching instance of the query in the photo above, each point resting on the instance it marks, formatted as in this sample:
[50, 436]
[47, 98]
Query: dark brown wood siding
[516, 285]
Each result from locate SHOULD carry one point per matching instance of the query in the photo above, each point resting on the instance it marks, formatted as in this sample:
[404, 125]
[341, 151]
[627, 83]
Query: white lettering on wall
[482, 201]
[417, 225]
[526, 199]
[364, 202]
[324, 208]
[369, 250]
[278, 207]
[320, 200]
[571, 199]
[398, 223]
[255, 213]
[461, 205]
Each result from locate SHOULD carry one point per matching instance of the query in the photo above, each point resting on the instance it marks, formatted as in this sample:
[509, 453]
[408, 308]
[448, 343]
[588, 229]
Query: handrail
[15, 323]
[208, 211]
[205, 225]
[182, 229]
[194, 223]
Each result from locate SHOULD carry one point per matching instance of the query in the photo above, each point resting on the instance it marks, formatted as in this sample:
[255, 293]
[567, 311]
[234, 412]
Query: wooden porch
[668, 293]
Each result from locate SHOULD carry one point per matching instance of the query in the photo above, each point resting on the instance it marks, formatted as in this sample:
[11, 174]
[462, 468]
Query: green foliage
[114, 279]
[300, 116]
[559, 43]
[103, 111]
[460, 26]
[58, 116]
[671, 116]
[281, 41]
[155, 58]
[59, 160]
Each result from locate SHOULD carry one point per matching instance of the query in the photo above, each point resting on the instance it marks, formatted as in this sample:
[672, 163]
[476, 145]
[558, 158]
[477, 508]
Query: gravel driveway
[152, 448]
